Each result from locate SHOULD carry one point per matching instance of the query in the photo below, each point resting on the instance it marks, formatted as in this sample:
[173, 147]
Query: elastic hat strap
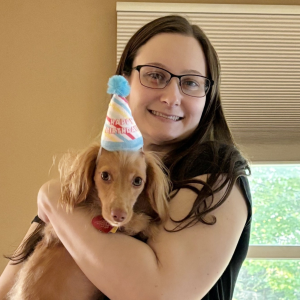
[99, 153]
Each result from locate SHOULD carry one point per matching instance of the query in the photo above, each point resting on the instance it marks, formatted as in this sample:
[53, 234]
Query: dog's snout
[118, 215]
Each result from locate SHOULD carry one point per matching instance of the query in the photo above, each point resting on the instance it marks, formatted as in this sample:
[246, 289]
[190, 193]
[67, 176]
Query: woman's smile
[165, 116]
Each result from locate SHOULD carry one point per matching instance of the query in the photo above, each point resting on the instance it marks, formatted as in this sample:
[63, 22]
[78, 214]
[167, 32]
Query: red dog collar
[102, 225]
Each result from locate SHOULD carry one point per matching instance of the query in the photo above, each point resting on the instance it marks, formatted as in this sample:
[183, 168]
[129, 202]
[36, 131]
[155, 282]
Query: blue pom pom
[118, 85]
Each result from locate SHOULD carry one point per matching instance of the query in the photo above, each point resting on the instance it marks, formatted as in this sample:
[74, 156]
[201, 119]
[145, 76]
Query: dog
[130, 191]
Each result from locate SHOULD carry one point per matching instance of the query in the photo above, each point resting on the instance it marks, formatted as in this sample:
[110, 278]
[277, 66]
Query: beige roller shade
[259, 51]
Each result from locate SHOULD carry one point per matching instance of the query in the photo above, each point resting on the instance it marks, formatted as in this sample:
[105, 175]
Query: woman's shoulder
[214, 157]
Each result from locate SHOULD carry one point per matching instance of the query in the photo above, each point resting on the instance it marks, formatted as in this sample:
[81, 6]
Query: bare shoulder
[194, 258]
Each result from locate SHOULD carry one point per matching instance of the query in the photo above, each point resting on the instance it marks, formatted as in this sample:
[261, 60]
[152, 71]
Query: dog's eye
[137, 181]
[105, 176]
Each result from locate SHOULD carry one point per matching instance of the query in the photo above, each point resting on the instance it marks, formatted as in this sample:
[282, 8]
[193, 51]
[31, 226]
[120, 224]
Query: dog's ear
[157, 186]
[76, 175]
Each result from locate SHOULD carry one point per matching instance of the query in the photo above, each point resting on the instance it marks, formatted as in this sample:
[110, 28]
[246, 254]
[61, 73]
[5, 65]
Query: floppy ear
[157, 186]
[76, 175]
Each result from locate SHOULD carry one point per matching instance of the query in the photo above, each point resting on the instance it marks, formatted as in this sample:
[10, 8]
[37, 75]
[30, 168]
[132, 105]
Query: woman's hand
[48, 197]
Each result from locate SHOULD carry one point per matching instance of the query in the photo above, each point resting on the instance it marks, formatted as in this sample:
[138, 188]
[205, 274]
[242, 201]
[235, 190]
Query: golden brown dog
[129, 189]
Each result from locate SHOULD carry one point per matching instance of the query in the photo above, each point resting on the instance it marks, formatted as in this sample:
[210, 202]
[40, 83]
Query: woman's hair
[211, 142]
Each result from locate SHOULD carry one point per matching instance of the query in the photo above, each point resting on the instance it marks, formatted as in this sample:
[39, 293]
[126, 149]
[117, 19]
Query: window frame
[274, 252]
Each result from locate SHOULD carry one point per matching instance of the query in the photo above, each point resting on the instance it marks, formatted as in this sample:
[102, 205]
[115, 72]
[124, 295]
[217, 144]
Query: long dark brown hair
[211, 147]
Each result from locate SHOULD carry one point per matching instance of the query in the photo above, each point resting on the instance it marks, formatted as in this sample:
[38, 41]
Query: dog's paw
[138, 223]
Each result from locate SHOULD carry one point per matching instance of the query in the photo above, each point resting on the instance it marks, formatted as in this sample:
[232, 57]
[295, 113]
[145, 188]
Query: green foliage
[276, 200]
[269, 280]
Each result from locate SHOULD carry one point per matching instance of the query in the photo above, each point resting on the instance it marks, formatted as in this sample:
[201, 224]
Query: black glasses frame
[138, 68]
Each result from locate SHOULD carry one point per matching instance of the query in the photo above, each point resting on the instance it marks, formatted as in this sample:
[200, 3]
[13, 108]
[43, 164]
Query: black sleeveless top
[224, 287]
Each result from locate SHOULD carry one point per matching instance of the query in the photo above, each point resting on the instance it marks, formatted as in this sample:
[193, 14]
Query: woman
[181, 116]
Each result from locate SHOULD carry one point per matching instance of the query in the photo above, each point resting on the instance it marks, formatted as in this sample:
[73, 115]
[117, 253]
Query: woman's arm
[181, 265]
[9, 274]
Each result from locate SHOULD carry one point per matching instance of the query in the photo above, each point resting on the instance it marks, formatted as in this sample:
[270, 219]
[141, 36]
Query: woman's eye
[105, 176]
[137, 181]
[191, 84]
[156, 76]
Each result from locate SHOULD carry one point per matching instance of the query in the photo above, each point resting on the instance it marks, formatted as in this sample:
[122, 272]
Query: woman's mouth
[170, 117]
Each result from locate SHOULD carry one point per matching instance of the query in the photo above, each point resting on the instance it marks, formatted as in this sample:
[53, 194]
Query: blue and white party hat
[120, 132]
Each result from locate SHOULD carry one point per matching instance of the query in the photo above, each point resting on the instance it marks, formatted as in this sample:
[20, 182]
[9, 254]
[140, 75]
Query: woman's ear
[128, 78]
[76, 176]
[157, 185]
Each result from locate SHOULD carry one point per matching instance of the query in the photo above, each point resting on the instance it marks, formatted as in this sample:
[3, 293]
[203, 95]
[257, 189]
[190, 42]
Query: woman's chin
[163, 142]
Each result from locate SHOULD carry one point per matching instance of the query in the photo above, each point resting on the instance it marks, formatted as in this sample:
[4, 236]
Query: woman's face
[156, 111]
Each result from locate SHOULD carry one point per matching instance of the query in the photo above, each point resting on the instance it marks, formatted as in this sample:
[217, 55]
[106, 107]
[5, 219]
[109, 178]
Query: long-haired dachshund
[129, 189]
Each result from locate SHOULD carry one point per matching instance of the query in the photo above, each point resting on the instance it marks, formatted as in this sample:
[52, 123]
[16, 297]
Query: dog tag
[101, 224]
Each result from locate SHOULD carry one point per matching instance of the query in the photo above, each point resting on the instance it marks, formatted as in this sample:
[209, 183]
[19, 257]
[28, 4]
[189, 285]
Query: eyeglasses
[158, 78]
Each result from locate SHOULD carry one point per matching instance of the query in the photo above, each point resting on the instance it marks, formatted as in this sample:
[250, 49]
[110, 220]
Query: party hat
[120, 132]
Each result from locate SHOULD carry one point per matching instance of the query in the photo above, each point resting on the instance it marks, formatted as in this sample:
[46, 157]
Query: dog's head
[120, 178]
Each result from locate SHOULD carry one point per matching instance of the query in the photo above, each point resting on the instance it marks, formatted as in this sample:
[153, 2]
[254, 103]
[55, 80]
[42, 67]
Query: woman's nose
[171, 94]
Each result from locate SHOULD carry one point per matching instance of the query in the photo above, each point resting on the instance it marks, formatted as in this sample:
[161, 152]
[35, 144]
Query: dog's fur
[110, 186]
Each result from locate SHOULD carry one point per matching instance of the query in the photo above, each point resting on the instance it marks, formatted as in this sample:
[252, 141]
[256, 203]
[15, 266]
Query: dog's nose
[119, 215]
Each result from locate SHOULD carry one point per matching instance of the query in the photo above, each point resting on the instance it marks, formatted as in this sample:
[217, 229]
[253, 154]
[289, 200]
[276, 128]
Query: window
[272, 270]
